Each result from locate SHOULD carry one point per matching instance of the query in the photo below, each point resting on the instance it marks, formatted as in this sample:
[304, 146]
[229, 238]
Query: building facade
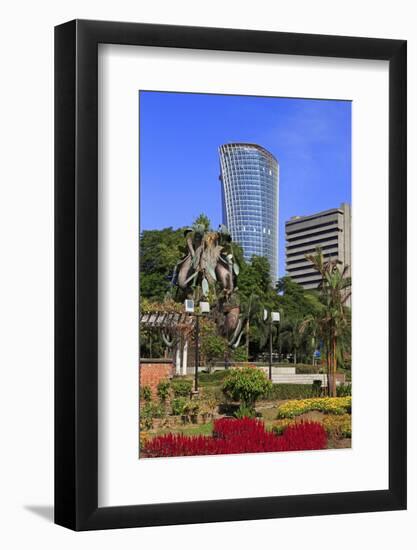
[330, 230]
[249, 175]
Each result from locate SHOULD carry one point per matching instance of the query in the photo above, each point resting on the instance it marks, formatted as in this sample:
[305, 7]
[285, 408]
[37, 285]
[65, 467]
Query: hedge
[291, 391]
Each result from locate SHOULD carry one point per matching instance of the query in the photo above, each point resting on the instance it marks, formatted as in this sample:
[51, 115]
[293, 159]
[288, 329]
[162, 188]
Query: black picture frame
[76, 271]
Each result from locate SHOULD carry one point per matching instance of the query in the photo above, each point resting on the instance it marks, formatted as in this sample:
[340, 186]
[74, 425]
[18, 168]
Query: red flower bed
[226, 428]
[232, 436]
[305, 436]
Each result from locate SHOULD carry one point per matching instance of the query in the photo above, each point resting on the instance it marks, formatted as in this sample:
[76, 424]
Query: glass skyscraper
[249, 176]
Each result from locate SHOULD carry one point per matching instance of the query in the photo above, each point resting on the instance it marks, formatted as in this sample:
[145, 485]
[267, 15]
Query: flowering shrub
[338, 426]
[333, 405]
[232, 436]
[226, 428]
[305, 436]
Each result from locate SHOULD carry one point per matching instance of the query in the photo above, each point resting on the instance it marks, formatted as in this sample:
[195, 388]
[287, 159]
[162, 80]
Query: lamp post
[197, 350]
[204, 307]
[274, 317]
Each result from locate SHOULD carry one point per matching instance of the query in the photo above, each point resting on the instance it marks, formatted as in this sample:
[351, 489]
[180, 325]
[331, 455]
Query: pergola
[175, 329]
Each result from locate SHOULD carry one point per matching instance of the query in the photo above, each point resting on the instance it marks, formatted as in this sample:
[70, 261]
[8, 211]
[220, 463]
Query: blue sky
[179, 164]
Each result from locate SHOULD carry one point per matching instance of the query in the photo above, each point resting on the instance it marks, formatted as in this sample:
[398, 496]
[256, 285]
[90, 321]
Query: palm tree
[252, 311]
[334, 320]
[292, 335]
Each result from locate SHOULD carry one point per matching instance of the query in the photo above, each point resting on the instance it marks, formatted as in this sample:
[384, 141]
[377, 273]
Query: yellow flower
[334, 405]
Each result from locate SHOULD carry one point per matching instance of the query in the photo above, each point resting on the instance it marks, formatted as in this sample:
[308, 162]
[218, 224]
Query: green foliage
[191, 409]
[178, 405]
[160, 251]
[181, 387]
[295, 301]
[148, 412]
[203, 220]
[245, 412]
[344, 390]
[245, 385]
[256, 293]
[281, 425]
[297, 337]
[213, 346]
[213, 378]
[239, 355]
[146, 417]
[291, 391]
[255, 279]
[317, 384]
[333, 323]
[146, 393]
[306, 369]
[163, 390]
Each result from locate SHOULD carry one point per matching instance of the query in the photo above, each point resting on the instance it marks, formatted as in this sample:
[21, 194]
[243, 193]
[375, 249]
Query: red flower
[232, 436]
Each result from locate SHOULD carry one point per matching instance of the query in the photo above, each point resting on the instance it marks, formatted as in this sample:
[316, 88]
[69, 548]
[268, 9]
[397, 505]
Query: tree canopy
[160, 250]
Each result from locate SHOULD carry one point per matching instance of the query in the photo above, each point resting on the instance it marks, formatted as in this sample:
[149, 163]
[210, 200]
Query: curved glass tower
[249, 176]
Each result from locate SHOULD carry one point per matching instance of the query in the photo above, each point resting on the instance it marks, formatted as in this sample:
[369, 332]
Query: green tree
[213, 346]
[256, 293]
[203, 220]
[159, 250]
[246, 385]
[334, 319]
[297, 304]
[292, 336]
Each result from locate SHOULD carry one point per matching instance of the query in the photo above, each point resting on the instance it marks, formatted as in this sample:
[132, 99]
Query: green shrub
[317, 388]
[246, 385]
[146, 418]
[291, 391]
[214, 378]
[148, 412]
[306, 369]
[146, 393]
[281, 425]
[239, 354]
[163, 390]
[191, 408]
[245, 412]
[182, 387]
[344, 390]
[178, 405]
[213, 347]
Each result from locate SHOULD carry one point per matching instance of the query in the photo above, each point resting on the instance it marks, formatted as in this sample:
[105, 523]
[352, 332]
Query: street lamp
[274, 317]
[204, 307]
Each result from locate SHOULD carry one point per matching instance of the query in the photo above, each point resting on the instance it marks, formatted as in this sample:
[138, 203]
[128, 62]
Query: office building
[330, 230]
[249, 176]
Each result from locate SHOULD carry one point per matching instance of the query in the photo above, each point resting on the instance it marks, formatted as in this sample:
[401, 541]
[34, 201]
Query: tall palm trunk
[329, 370]
[329, 357]
[334, 368]
[247, 339]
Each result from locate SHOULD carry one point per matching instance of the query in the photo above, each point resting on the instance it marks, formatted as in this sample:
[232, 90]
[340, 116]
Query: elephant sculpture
[208, 269]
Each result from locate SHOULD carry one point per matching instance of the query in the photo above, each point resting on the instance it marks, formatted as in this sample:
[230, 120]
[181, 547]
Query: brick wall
[150, 374]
